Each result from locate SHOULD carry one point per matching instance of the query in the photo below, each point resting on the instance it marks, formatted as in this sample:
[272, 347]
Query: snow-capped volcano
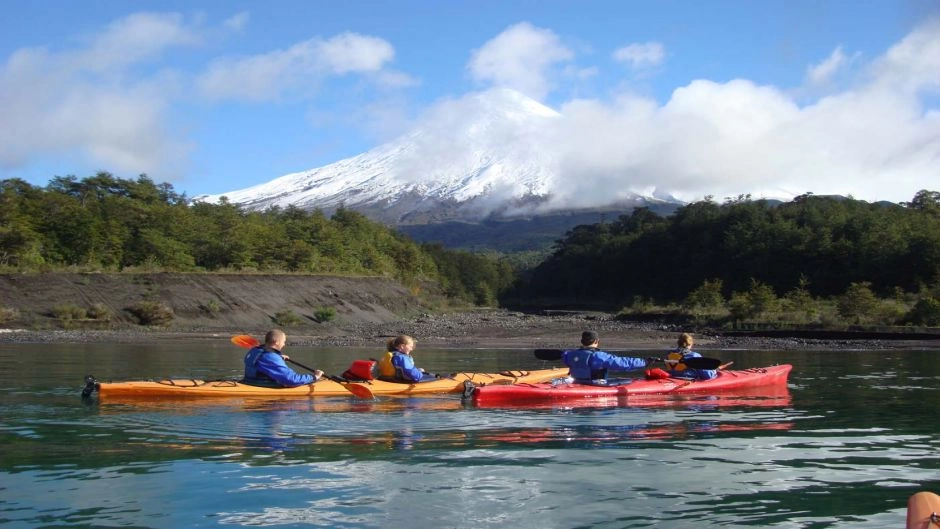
[467, 159]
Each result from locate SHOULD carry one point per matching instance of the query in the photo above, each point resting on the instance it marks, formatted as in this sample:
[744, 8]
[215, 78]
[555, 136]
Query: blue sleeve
[602, 360]
[406, 365]
[275, 367]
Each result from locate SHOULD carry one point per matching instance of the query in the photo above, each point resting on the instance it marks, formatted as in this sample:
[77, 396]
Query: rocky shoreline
[489, 329]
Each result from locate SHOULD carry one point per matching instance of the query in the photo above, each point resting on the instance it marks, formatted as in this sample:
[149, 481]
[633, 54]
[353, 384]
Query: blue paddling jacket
[587, 365]
[396, 366]
[677, 369]
[265, 367]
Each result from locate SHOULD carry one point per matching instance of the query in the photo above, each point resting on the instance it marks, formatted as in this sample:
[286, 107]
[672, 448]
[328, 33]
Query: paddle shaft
[697, 362]
[298, 364]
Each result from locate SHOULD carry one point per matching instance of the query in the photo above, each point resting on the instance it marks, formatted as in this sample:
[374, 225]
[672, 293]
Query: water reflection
[841, 448]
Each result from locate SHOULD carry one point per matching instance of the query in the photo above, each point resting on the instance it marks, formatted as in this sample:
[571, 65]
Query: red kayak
[747, 381]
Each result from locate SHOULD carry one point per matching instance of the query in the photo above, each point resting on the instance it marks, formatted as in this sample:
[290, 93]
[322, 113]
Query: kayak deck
[923, 511]
[738, 382]
[194, 388]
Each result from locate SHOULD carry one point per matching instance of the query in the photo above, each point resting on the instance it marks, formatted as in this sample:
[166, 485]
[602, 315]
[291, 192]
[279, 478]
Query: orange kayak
[189, 388]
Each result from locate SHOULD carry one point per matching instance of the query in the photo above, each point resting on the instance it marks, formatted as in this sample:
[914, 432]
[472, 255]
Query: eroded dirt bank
[207, 302]
[368, 312]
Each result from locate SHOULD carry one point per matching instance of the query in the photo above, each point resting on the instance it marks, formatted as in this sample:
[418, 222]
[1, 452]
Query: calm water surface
[856, 435]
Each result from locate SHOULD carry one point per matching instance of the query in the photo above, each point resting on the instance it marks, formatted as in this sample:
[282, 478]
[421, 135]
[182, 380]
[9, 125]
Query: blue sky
[720, 98]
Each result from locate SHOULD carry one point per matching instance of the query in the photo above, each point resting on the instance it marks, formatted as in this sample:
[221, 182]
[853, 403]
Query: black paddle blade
[702, 363]
[548, 354]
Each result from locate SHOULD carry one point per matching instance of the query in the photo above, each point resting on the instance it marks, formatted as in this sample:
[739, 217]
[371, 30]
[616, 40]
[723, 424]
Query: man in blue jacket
[265, 365]
[589, 365]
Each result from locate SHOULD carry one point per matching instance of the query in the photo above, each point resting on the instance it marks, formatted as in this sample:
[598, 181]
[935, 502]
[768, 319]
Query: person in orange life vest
[265, 364]
[397, 365]
[589, 365]
[674, 366]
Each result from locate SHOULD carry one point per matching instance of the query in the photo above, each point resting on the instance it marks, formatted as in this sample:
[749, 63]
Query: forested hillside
[706, 253]
[748, 258]
[103, 223]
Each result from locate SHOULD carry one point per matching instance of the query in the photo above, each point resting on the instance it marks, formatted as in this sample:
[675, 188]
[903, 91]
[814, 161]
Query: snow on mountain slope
[466, 159]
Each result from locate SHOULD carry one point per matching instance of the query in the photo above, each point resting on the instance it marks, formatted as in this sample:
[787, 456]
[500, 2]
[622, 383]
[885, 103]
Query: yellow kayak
[190, 388]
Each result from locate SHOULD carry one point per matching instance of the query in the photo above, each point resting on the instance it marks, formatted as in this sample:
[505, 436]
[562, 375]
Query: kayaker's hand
[284, 356]
[318, 374]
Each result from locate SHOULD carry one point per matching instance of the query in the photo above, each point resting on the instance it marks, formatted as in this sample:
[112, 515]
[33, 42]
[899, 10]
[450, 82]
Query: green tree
[800, 299]
[755, 302]
[858, 303]
[925, 312]
[706, 296]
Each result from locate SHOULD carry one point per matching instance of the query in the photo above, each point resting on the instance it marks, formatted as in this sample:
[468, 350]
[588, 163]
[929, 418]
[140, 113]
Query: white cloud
[874, 141]
[237, 22]
[350, 52]
[913, 64]
[270, 76]
[822, 73]
[640, 56]
[521, 58]
[136, 38]
[82, 100]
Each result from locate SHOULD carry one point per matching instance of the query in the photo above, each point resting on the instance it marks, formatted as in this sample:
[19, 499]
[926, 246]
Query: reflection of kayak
[738, 383]
[622, 433]
[186, 388]
[442, 402]
[923, 511]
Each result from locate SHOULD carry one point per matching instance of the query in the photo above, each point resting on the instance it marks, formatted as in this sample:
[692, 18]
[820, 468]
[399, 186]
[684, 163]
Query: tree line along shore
[814, 262]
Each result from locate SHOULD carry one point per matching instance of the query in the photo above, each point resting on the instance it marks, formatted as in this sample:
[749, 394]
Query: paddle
[693, 363]
[359, 390]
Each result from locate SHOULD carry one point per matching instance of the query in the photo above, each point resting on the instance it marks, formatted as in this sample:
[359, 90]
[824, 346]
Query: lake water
[856, 434]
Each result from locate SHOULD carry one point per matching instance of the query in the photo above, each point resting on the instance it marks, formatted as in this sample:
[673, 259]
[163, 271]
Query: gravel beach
[486, 329]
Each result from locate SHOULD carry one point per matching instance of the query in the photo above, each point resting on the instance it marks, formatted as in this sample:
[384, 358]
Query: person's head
[588, 338]
[403, 343]
[275, 339]
[685, 341]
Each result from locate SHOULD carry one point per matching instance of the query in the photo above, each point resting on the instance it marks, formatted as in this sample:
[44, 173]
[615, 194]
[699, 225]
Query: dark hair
[588, 337]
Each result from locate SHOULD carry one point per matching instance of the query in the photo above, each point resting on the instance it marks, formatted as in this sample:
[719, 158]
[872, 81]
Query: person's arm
[406, 364]
[619, 363]
[274, 366]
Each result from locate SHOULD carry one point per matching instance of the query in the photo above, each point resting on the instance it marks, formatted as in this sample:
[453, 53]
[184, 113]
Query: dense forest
[744, 256]
[812, 247]
[104, 223]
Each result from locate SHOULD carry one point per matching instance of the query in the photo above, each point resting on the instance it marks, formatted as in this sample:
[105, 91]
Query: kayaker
[589, 365]
[676, 369]
[397, 365]
[265, 364]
